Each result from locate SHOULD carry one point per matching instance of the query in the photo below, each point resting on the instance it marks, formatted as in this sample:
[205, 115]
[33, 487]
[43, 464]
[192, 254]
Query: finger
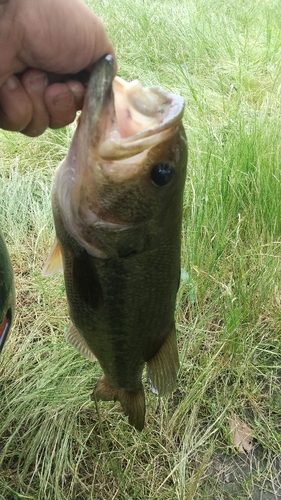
[35, 82]
[82, 41]
[15, 106]
[62, 101]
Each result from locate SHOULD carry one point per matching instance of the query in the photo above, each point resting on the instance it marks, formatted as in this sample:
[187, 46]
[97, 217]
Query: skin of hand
[40, 40]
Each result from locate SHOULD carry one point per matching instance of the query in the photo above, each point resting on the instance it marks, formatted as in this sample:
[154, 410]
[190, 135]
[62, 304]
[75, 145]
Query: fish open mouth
[127, 117]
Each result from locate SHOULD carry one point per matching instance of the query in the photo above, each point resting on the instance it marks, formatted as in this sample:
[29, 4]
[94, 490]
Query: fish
[7, 293]
[117, 203]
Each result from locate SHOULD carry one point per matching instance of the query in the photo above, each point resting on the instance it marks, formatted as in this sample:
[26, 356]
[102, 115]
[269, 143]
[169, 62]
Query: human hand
[39, 42]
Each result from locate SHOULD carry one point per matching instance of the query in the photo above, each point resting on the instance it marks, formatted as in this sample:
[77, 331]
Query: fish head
[127, 164]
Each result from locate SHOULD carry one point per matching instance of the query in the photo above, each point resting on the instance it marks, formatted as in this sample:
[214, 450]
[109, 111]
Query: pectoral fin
[162, 369]
[74, 338]
[54, 262]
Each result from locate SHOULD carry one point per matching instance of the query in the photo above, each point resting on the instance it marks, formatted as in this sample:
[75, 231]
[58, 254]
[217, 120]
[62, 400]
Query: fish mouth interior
[144, 117]
[137, 108]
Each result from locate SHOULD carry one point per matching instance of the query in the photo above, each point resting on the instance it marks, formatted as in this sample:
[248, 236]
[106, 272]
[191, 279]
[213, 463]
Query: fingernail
[76, 87]
[11, 83]
[63, 101]
[77, 90]
[38, 81]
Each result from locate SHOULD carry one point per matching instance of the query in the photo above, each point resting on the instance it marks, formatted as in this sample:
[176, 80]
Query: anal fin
[132, 402]
[74, 338]
[162, 369]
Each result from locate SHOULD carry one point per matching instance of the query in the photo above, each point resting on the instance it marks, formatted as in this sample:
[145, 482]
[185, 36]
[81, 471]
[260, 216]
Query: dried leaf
[241, 435]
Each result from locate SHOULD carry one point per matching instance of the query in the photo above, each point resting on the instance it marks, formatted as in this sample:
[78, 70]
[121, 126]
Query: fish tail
[132, 402]
[162, 369]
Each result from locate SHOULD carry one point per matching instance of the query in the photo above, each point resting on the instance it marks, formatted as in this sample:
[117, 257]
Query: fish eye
[161, 174]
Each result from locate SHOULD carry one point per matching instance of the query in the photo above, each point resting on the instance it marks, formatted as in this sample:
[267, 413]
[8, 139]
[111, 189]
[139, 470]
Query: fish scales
[118, 226]
[118, 300]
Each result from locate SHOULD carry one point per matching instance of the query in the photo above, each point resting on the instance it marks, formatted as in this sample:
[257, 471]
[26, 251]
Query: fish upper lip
[99, 87]
[98, 105]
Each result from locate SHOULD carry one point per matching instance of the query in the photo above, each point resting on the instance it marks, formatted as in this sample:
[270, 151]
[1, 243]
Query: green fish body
[7, 292]
[117, 205]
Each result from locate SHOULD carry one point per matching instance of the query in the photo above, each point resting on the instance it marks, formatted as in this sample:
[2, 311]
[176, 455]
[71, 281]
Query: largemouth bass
[7, 292]
[117, 206]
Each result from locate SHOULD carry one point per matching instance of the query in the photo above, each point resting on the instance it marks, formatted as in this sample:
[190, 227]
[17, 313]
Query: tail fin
[132, 402]
[162, 369]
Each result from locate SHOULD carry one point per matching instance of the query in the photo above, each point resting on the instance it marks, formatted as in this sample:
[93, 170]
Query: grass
[224, 58]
